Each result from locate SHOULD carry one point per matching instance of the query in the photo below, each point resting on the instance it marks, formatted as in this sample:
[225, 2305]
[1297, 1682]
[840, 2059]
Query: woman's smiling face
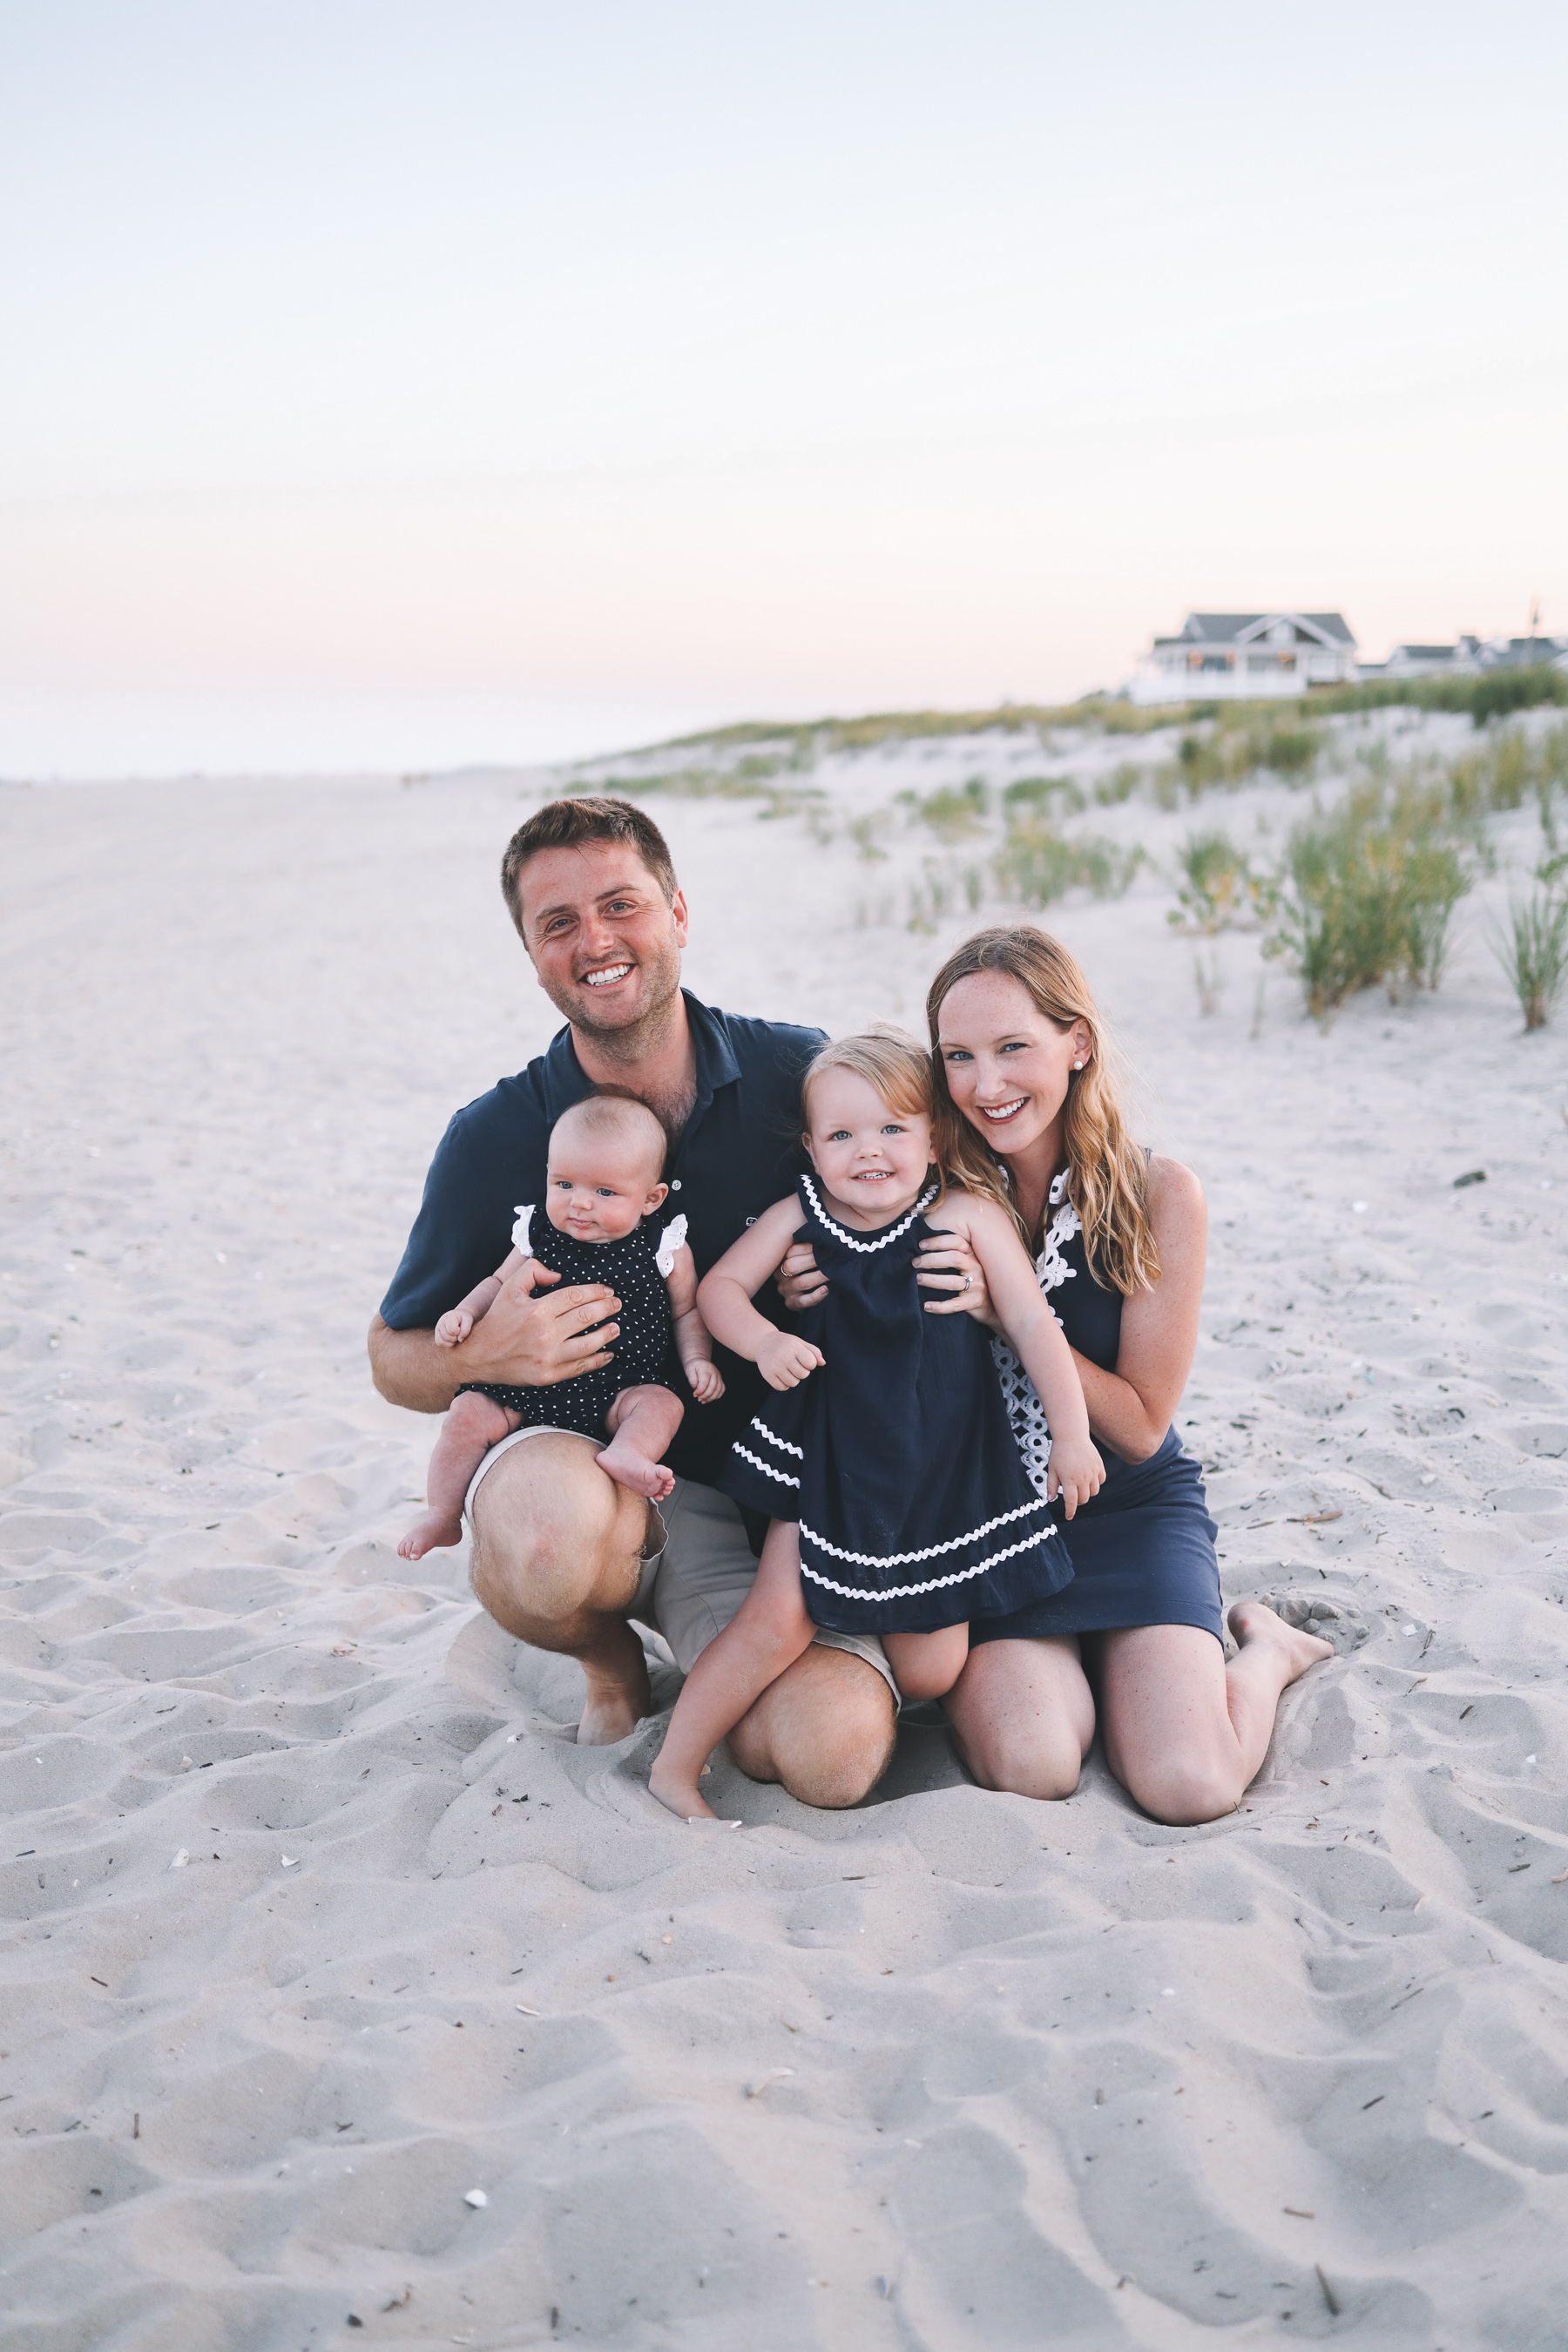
[1007, 1065]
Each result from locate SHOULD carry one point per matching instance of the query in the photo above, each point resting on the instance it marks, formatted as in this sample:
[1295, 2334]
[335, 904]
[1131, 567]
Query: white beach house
[1240, 656]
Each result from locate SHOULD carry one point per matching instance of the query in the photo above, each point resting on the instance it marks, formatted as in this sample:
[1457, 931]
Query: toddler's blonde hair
[895, 1066]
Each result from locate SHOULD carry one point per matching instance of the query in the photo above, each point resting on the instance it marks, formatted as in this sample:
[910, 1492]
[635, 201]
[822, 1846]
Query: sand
[284, 1815]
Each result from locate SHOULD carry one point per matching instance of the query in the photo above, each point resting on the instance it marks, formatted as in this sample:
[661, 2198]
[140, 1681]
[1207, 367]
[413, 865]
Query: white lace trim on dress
[1024, 1411]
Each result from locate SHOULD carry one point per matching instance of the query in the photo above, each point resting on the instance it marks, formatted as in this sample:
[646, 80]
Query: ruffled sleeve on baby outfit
[672, 1238]
[520, 1240]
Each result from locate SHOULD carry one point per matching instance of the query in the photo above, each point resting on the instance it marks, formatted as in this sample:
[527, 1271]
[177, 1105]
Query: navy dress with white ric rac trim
[897, 1458]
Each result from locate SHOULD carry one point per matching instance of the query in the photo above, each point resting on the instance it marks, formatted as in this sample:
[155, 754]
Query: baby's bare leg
[641, 1423]
[926, 1666]
[767, 1633]
[473, 1425]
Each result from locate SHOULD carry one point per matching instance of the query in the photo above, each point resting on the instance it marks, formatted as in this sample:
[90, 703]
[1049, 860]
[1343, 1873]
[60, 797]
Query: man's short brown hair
[568, 825]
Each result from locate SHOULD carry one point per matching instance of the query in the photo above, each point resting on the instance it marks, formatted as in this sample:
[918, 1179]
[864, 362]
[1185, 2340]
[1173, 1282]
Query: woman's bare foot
[629, 1468]
[432, 1534]
[1253, 1620]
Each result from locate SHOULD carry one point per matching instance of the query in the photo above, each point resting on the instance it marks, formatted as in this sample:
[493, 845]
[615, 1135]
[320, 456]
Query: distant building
[1243, 656]
[1458, 660]
[1467, 657]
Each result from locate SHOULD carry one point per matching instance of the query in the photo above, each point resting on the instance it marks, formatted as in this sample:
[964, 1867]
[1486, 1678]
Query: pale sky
[396, 384]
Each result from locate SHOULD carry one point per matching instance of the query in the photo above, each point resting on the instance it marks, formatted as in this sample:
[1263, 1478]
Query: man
[562, 1555]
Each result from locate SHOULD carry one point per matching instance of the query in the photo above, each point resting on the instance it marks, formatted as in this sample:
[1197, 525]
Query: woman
[1028, 1116]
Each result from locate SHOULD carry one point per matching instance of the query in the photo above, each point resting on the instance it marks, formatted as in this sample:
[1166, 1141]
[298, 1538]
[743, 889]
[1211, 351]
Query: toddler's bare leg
[473, 1425]
[768, 1633]
[641, 1423]
[926, 1666]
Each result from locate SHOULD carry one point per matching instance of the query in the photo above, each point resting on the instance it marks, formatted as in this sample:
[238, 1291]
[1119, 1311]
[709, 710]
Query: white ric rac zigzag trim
[782, 1443]
[765, 1467]
[865, 1249]
[931, 1551]
[932, 1584]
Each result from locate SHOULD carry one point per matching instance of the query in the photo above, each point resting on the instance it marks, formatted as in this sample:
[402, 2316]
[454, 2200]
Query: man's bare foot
[618, 1695]
[1253, 1620]
[432, 1534]
[679, 1791]
[629, 1468]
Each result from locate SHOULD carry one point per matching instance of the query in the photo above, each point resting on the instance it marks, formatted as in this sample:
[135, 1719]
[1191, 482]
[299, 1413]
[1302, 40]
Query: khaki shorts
[695, 1582]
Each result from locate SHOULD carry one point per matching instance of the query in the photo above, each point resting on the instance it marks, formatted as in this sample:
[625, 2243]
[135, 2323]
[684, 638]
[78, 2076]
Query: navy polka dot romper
[645, 1351]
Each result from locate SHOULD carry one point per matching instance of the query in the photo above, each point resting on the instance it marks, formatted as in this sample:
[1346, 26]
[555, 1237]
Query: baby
[605, 1164]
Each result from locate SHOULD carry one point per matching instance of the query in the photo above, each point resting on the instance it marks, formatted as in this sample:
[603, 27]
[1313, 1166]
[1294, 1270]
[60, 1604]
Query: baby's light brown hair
[615, 1112]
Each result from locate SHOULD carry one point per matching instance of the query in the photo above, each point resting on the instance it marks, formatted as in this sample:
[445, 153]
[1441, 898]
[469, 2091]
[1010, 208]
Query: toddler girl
[606, 1158]
[900, 1503]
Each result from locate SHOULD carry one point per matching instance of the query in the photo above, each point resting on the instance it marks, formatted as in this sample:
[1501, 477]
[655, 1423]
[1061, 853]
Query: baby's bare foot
[433, 1534]
[1253, 1620]
[629, 1468]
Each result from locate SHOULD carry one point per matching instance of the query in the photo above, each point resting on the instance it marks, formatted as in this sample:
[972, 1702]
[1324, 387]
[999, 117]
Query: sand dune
[287, 1815]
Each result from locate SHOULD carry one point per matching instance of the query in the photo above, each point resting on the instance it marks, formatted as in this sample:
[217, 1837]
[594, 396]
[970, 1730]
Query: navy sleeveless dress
[645, 1352]
[897, 1458]
[1143, 1549]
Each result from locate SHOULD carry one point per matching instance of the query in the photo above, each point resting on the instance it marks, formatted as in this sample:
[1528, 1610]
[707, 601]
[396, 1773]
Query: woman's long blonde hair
[1108, 1178]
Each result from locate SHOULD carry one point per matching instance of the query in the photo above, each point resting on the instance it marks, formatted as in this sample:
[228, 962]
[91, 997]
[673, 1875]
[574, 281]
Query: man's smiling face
[604, 940]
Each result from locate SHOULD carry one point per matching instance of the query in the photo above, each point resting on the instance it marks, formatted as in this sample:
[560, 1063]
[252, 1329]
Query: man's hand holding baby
[532, 1341]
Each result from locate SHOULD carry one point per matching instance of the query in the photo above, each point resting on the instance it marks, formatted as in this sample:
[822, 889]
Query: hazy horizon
[397, 388]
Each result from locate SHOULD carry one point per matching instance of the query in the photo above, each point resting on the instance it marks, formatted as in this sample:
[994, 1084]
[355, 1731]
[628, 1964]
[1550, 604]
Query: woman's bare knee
[1182, 1791]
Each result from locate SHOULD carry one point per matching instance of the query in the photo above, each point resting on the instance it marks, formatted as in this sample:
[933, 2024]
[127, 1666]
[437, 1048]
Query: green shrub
[954, 816]
[1059, 793]
[1119, 785]
[1367, 894]
[1220, 892]
[1037, 864]
[1534, 950]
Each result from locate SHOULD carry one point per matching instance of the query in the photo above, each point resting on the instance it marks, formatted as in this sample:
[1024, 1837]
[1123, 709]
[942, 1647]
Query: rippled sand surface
[346, 1999]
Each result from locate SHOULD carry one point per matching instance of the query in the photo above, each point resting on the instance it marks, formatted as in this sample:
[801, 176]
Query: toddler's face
[870, 1158]
[600, 1186]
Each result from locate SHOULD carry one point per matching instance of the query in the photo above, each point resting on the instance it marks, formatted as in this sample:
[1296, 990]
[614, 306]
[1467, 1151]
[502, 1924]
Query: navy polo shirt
[740, 1152]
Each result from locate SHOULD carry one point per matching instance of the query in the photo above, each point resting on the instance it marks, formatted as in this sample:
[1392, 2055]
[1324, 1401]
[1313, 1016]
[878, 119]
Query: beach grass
[1219, 891]
[1037, 864]
[1532, 947]
[1367, 894]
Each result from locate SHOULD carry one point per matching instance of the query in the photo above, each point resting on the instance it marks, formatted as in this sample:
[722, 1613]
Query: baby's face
[600, 1187]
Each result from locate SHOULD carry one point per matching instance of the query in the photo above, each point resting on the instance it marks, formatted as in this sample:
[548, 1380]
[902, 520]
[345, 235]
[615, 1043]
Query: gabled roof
[1237, 628]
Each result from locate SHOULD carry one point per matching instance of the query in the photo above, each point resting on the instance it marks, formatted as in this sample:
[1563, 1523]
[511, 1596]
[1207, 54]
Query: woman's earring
[1078, 1065]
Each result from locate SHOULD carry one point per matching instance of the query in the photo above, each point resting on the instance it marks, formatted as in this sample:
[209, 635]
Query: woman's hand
[948, 1265]
[800, 1281]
